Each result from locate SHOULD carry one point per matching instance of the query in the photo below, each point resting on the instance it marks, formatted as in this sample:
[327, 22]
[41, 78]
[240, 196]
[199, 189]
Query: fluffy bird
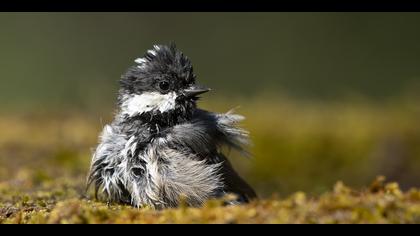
[160, 148]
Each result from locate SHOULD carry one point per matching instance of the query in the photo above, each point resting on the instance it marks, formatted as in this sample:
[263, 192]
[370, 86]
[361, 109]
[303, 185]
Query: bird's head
[161, 87]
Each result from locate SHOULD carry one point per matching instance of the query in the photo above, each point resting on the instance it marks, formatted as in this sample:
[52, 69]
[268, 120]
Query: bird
[161, 150]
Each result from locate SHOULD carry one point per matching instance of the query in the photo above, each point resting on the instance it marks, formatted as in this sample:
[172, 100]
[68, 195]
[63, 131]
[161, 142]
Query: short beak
[195, 90]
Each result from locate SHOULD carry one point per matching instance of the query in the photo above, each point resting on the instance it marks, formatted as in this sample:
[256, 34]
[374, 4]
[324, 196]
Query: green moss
[380, 203]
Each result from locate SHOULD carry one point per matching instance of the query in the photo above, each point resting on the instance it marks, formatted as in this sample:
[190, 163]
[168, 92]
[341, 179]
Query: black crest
[161, 62]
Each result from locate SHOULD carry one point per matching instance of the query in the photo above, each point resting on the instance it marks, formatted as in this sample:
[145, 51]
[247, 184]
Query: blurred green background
[327, 96]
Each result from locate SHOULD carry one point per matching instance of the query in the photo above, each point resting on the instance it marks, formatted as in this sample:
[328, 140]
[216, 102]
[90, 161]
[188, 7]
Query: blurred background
[327, 96]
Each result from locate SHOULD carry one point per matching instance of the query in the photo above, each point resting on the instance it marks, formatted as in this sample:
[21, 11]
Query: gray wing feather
[207, 131]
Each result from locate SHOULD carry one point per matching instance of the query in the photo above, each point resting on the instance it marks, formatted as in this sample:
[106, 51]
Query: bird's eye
[164, 85]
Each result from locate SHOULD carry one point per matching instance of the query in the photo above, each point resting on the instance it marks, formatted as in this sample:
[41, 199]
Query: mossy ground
[61, 203]
[300, 150]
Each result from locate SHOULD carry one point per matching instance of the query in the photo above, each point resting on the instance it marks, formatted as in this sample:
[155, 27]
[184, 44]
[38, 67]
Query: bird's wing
[203, 135]
[224, 128]
[207, 132]
[226, 132]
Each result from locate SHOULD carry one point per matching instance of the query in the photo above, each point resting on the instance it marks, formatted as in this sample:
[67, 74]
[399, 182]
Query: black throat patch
[156, 121]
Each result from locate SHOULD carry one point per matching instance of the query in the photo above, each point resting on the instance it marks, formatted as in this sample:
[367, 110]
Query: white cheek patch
[137, 104]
